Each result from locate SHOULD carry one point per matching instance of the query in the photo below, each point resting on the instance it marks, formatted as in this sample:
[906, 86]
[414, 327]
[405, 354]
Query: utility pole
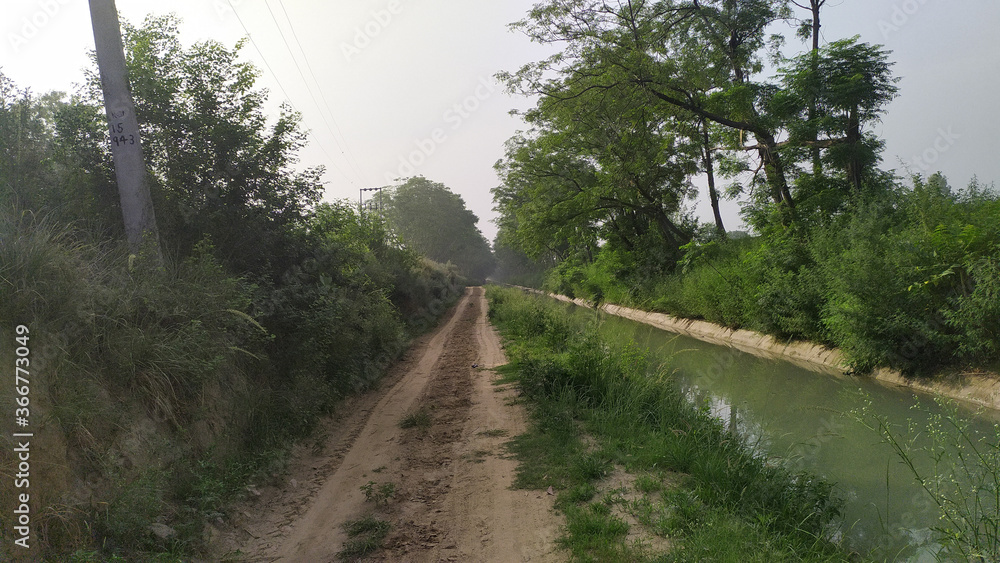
[361, 192]
[126, 148]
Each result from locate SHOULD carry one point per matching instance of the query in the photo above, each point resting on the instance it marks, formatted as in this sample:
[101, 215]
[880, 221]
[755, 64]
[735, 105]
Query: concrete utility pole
[126, 148]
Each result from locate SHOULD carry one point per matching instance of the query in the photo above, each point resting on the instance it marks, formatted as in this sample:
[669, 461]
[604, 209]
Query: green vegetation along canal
[803, 418]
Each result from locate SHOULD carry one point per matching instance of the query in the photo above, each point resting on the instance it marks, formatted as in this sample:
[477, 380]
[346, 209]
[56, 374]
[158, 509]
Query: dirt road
[445, 481]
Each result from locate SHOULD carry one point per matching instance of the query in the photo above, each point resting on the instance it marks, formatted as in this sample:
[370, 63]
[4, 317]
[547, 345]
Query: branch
[819, 144]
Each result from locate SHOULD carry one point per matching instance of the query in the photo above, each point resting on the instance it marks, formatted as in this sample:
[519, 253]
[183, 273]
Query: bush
[976, 316]
[182, 369]
[901, 277]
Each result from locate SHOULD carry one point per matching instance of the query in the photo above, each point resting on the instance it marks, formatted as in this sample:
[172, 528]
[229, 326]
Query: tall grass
[162, 390]
[642, 422]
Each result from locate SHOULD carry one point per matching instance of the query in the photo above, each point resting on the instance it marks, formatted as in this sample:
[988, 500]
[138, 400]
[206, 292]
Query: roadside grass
[420, 419]
[476, 456]
[695, 492]
[170, 387]
[366, 535]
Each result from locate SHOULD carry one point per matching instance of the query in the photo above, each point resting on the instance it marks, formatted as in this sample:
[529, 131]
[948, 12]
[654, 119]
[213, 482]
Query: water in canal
[803, 417]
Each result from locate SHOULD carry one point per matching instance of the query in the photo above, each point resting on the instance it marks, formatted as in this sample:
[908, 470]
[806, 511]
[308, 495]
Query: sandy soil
[452, 498]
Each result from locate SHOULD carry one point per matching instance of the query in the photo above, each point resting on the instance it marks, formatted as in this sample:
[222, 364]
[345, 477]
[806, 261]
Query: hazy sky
[406, 87]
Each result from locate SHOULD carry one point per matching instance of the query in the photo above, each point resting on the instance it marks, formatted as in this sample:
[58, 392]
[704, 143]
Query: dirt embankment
[447, 482]
[977, 388]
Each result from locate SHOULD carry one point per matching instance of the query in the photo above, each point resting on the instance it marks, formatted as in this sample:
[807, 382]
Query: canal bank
[827, 424]
[980, 389]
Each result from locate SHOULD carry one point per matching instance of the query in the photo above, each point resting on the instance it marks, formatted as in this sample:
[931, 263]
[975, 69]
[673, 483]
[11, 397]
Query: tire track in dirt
[452, 500]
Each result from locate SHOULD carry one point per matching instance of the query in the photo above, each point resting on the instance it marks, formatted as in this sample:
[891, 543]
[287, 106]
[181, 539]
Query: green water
[802, 418]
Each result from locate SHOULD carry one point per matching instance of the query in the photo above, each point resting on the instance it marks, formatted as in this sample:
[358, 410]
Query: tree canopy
[434, 221]
[648, 95]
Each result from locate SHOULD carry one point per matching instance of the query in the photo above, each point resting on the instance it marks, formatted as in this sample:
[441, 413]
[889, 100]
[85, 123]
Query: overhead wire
[283, 91]
[347, 153]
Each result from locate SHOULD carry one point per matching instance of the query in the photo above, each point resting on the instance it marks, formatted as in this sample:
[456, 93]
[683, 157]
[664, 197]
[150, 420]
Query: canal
[809, 420]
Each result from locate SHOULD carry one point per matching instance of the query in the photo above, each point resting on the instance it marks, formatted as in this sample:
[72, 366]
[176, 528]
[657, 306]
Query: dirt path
[449, 477]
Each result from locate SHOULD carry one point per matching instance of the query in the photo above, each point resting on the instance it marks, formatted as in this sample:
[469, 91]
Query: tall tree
[834, 92]
[700, 57]
[434, 221]
[597, 167]
[810, 28]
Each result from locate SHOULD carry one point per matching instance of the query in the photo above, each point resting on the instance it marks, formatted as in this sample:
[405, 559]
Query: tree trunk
[674, 235]
[854, 165]
[774, 169]
[710, 171]
[817, 162]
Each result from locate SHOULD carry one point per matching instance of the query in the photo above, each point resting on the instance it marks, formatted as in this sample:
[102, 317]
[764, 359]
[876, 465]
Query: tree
[433, 220]
[25, 148]
[810, 29]
[595, 168]
[219, 168]
[697, 57]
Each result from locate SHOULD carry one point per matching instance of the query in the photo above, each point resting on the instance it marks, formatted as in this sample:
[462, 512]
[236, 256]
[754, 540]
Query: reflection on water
[802, 418]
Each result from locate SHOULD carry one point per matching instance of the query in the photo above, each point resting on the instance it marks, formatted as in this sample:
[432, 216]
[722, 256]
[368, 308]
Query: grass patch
[379, 493]
[648, 484]
[508, 374]
[366, 535]
[420, 419]
[477, 456]
[594, 408]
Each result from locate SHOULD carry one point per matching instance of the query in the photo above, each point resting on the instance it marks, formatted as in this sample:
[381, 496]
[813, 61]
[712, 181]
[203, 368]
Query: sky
[395, 88]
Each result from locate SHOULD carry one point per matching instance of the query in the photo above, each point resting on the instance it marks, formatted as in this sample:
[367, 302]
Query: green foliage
[976, 316]
[366, 535]
[904, 278]
[379, 493]
[123, 523]
[220, 169]
[640, 421]
[514, 266]
[420, 419]
[267, 310]
[433, 221]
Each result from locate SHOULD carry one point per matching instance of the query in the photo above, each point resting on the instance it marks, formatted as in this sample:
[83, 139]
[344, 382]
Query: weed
[477, 456]
[580, 493]
[420, 419]
[959, 470]
[379, 493]
[319, 443]
[591, 467]
[647, 484]
[366, 536]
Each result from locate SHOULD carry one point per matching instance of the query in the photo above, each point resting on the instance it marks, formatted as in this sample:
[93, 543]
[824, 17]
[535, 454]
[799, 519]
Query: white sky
[412, 80]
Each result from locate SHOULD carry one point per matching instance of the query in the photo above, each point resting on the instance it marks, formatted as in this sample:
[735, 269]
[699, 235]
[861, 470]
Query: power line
[282, 88]
[319, 86]
[309, 88]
